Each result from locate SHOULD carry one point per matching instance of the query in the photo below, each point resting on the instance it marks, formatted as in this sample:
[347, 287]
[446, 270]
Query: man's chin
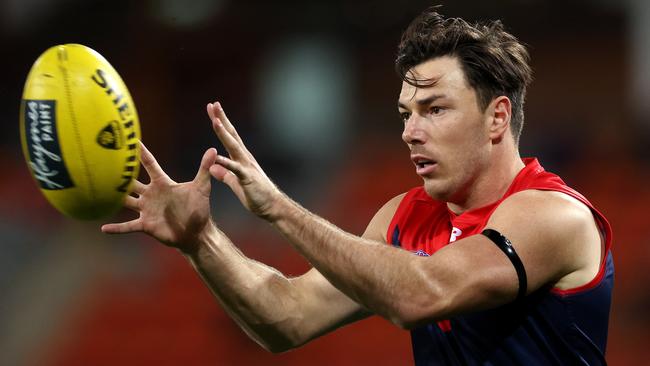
[436, 190]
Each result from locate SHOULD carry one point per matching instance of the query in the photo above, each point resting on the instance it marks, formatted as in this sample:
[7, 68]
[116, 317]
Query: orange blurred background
[311, 88]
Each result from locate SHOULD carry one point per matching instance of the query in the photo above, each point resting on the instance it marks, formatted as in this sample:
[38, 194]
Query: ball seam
[73, 116]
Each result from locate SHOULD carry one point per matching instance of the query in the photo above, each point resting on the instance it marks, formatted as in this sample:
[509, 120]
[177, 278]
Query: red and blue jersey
[548, 327]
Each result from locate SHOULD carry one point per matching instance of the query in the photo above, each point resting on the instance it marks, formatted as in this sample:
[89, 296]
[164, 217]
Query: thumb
[208, 160]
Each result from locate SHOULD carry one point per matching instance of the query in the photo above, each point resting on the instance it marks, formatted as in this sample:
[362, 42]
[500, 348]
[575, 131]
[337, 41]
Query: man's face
[445, 129]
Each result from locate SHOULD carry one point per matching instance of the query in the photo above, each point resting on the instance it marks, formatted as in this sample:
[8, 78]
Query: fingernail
[219, 106]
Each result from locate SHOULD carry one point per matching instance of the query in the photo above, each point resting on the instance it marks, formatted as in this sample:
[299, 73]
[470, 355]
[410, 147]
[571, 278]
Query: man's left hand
[240, 171]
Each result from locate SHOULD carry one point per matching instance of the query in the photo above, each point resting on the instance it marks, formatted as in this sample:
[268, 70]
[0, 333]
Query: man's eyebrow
[423, 102]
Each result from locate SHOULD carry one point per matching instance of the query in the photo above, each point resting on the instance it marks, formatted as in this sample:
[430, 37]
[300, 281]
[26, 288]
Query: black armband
[504, 244]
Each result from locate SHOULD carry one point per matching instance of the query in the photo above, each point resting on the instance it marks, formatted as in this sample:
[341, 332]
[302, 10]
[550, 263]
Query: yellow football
[79, 131]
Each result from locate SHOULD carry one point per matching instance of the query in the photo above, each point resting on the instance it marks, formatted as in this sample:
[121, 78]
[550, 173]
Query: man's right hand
[177, 214]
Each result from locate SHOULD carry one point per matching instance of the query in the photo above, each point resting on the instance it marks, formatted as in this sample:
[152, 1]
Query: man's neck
[490, 186]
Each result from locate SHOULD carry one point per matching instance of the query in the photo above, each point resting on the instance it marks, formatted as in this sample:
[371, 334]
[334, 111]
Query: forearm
[377, 276]
[259, 298]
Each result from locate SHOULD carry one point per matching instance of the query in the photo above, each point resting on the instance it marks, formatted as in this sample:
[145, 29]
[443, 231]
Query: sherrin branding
[79, 132]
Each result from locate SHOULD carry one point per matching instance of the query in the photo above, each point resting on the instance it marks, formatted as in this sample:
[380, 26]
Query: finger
[138, 187]
[229, 165]
[219, 172]
[216, 111]
[209, 157]
[233, 147]
[123, 227]
[210, 109]
[150, 164]
[132, 203]
[221, 114]
[229, 178]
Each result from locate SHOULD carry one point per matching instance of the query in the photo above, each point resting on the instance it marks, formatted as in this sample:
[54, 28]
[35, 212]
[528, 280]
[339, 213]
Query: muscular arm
[279, 313]
[555, 236]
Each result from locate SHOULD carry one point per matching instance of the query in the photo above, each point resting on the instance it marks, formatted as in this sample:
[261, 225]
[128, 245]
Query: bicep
[469, 275]
[547, 233]
[555, 236]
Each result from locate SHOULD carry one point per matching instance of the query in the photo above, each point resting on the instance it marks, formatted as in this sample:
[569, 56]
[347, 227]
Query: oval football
[79, 132]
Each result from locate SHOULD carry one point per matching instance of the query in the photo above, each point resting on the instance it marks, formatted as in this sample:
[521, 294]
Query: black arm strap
[504, 244]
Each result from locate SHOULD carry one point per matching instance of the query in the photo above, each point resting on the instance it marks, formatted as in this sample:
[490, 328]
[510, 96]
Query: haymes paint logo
[43, 145]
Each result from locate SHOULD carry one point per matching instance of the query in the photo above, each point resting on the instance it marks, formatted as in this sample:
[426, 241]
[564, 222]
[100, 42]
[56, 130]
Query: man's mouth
[423, 165]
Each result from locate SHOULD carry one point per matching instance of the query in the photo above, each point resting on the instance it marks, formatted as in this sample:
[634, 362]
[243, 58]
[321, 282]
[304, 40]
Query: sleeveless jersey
[548, 327]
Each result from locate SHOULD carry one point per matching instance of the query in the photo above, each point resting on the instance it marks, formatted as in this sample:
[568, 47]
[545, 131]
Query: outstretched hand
[177, 214]
[174, 213]
[240, 171]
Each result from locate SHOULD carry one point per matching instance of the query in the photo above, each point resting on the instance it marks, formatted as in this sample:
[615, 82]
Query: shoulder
[376, 229]
[545, 208]
[391, 206]
[551, 231]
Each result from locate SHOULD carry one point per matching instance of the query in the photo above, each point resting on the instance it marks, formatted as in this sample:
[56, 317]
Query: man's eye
[405, 116]
[436, 110]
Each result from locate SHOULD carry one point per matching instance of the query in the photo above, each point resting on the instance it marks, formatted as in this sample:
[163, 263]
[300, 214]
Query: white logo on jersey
[455, 233]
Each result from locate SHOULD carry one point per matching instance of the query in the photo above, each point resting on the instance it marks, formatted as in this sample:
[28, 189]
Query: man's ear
[500, 111]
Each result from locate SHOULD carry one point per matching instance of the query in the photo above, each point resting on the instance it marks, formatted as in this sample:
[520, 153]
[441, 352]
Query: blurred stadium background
[311, 87]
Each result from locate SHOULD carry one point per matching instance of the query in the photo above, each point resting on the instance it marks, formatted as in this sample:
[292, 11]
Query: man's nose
[413, 134]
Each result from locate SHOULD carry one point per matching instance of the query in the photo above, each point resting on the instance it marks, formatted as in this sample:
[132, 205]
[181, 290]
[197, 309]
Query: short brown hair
[494, 62]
